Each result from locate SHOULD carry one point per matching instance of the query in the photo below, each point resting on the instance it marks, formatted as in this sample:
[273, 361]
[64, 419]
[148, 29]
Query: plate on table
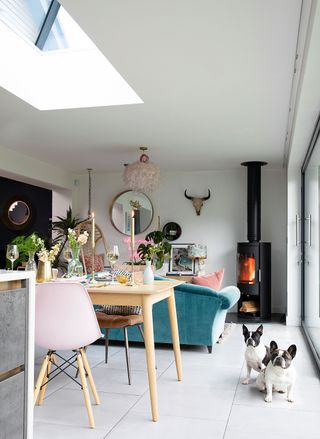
[72, 279]
[102, 277]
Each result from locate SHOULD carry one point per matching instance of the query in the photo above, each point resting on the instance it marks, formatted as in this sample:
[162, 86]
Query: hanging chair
[86, 249]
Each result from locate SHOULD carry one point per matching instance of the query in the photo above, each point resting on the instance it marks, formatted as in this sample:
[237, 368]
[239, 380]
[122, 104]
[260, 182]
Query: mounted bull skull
[197, 201]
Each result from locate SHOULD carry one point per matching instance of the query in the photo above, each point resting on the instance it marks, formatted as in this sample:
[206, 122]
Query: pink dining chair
[65, 320]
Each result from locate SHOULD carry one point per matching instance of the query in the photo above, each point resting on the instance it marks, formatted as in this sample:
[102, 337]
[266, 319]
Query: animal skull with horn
[197, 201]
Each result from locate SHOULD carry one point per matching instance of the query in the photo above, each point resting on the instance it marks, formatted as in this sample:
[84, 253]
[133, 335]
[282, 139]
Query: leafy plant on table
[27, 244]
[156, 250]
[61, 228]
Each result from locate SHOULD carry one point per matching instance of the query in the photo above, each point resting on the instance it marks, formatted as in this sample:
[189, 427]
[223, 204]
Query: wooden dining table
[145, 296]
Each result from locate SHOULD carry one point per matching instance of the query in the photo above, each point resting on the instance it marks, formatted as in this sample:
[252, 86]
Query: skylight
[68, 72]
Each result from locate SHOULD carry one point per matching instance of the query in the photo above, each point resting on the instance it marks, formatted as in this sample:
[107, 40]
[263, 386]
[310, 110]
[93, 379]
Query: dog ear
[273, 346]
[244, 330]
[292, 350]
[260, 330]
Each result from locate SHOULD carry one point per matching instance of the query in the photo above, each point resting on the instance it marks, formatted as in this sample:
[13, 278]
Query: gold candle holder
[93, 245]
[132, 283]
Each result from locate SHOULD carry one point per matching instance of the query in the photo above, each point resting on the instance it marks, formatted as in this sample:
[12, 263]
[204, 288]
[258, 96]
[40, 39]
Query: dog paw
[268, 398]
[246, 381]
[290, 399]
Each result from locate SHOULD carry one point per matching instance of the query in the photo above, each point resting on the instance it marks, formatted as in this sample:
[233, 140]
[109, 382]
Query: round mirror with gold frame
[120, 212]
[17, 213]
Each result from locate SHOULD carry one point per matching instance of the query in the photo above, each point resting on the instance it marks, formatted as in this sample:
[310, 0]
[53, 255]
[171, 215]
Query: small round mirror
[19, 213]
[120, 212]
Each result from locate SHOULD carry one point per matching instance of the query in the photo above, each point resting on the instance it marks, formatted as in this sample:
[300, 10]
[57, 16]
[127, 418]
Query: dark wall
[40, 201]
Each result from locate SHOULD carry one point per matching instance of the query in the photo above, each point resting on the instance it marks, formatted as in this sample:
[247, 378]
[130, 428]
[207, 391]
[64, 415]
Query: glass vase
[148, 276]
[75, 268]
[31, 264]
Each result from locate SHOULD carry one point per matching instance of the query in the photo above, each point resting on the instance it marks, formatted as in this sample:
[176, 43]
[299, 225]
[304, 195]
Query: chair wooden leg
[90, 377]
[126, 342]
[45, 380]
[106, 344]
[85, 389]
[41, 376]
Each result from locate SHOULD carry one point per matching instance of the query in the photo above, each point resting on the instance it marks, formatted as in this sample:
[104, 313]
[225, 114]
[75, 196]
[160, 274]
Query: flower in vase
[48, 255]
[77, 241]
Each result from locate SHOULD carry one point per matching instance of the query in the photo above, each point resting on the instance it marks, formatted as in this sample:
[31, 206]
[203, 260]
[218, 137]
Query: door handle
[308, 241]
[298, 223]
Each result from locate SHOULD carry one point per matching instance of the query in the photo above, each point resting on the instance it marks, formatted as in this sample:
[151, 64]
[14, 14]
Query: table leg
[175, 333]
[149, 344]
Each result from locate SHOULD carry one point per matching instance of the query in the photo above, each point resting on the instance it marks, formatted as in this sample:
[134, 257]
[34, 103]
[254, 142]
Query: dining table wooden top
[158, 286]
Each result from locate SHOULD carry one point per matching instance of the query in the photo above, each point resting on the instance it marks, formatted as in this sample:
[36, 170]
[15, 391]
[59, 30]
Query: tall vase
[31, 264]
[75, 268]
[148, 276]
[44, 273]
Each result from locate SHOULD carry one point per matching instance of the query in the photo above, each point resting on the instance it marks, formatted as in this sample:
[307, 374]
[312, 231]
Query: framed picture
[179, 262]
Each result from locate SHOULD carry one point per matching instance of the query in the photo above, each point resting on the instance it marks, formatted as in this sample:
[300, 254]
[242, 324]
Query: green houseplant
[61, 228]
[156, 250]
[27, 246]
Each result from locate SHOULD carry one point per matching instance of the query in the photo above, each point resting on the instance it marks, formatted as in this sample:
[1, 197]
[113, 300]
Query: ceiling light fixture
[142, 175]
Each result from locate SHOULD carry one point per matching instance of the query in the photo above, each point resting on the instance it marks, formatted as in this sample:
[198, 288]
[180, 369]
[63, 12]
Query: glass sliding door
[311, 244]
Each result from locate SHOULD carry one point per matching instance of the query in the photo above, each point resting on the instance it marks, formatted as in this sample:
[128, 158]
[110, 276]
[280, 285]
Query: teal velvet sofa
[201, 314]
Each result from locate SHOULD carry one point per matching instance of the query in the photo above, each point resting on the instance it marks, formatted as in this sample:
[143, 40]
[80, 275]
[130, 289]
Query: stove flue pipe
[254, 200]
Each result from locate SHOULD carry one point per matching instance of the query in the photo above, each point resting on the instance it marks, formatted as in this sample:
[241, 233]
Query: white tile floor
[210, 402]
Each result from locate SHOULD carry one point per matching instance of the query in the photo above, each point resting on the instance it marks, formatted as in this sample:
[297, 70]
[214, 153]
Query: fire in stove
[246, 269]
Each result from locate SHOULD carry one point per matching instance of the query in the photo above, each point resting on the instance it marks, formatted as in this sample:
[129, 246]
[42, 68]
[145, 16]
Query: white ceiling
[215, 77]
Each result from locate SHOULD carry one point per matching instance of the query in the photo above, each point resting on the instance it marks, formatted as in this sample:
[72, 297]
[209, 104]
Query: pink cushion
[211, 280]
[98, 263]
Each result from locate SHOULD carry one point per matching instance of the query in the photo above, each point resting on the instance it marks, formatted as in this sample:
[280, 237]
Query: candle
[132, 231]
[93, 223]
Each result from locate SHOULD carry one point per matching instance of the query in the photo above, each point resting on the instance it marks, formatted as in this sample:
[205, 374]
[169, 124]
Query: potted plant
[61, 229]
[27, 246]
[156, 250]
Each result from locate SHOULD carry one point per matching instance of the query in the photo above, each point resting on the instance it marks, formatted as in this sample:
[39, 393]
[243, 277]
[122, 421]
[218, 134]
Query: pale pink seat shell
[65, 318]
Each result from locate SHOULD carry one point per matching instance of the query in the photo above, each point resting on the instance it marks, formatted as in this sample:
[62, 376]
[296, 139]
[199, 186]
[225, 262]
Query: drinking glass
[67, 254]
[12, 253]
[113, 256]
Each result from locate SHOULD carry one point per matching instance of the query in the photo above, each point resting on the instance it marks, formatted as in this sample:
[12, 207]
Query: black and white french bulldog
[279, 375]
[257, 354]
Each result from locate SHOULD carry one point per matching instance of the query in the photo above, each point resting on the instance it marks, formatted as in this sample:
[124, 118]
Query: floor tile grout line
[115, 425]
[233, 399]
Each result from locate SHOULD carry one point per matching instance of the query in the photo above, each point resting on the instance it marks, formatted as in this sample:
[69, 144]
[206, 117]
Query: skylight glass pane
[25, 17]
[66, 34]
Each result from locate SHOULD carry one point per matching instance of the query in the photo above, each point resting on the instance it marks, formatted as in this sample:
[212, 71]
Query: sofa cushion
[211, 280]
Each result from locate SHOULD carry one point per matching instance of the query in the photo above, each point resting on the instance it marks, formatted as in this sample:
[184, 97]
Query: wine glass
[67, 254]
[12, 253]
[113, 256]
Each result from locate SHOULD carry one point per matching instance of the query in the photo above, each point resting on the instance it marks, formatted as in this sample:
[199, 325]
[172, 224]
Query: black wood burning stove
[254, 257]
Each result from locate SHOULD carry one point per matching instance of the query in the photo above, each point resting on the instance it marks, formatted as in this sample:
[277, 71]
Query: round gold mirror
[19, 213]
[120, 212]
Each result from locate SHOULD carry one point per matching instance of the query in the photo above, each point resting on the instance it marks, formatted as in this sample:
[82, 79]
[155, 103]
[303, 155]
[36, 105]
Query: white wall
[29, 170]
[61, 200]
[220, 226]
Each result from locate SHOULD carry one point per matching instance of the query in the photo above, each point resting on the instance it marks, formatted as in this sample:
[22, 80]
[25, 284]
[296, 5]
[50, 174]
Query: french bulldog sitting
[279, 375]
[256, 354]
